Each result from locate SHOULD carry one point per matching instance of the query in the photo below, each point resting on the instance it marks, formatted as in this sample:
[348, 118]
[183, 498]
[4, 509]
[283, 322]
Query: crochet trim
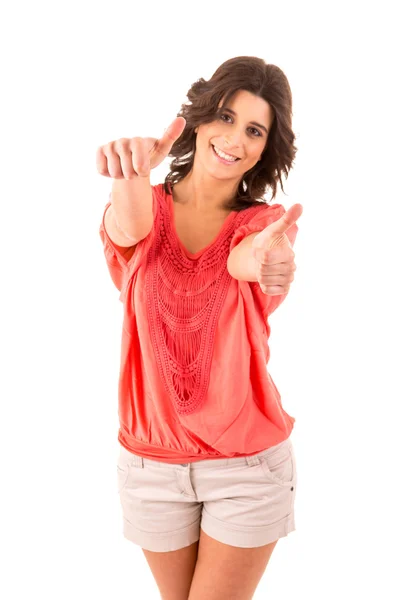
[184, 301]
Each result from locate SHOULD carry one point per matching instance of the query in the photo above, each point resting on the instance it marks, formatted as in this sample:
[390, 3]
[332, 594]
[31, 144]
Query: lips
[220, 157]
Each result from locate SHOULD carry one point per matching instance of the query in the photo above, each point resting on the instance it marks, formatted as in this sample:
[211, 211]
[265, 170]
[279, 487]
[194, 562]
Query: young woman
[207, 473]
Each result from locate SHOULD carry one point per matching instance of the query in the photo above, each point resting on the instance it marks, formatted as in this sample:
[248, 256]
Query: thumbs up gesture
[128, 158]
[274, 255]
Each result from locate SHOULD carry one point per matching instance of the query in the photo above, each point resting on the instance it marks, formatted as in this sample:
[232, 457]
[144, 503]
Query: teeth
[223, 155]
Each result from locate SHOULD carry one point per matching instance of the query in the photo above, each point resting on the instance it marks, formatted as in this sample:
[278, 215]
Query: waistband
[251, 460]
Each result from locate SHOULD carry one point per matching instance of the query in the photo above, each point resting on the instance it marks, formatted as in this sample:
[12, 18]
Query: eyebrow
[251, 122]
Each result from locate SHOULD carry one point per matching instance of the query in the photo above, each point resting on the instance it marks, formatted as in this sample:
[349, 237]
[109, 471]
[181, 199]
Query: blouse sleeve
[121, 268]
[262, 219]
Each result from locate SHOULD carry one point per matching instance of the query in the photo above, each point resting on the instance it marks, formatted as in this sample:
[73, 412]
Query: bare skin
[195, 228]
[173, 571]
[209, 570]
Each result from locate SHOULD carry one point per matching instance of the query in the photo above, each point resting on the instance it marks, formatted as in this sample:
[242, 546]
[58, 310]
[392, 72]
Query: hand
[135, 157]
[274, 255]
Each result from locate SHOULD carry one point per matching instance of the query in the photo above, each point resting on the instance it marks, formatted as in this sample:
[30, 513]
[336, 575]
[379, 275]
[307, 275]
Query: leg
[227, 572]
[173, 571]
[161, 515]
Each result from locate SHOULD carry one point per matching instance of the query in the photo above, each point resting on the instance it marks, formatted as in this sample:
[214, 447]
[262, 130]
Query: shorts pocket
[123, 470]
[278, 464]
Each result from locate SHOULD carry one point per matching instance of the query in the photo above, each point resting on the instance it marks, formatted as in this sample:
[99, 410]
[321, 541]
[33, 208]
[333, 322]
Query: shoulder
[160, 199]
[254, 219]
[260, 212]
[159, 192]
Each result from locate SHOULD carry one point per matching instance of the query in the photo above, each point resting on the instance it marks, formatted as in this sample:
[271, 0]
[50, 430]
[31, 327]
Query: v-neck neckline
[195, 255]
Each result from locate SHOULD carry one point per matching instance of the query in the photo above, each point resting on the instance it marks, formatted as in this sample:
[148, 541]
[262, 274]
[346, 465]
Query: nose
[233, 138]
[233, 141]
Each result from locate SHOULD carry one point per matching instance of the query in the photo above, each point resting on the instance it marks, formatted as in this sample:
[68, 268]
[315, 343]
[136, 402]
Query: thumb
[169, 137]
[273, 233]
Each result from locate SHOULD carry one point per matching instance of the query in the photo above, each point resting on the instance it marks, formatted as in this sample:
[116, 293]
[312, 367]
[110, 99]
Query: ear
[196, 130]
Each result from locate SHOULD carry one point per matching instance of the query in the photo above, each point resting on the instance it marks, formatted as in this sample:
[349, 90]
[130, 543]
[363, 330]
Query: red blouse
[193, 378]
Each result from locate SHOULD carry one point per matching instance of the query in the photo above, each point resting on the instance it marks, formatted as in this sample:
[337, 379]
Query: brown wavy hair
[264, 80]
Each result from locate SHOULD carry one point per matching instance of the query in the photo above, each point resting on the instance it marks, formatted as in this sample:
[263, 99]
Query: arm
[241, 262]
[132, 194]
[132, 209]
[116, 235]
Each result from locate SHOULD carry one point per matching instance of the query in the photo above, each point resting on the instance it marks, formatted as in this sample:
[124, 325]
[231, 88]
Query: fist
[135, 157]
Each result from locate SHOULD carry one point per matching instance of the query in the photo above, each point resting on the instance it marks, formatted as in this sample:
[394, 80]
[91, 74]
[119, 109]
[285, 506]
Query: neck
[203, 193]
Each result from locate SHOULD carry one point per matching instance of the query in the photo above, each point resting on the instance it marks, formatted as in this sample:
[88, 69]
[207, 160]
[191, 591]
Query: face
[241, 132]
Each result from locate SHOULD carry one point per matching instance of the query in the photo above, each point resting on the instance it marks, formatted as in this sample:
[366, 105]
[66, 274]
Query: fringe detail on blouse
[184, 299]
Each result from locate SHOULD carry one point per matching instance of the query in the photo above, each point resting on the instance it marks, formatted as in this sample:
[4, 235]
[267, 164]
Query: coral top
[193, 381]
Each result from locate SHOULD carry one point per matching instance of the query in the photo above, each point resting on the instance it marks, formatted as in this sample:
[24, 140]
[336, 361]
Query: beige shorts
[245, 502]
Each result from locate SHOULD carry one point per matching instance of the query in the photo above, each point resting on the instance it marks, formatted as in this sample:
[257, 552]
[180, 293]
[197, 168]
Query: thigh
[173, 571]
[225, 572]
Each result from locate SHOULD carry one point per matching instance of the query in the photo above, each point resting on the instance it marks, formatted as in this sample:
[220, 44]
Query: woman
[207, 473]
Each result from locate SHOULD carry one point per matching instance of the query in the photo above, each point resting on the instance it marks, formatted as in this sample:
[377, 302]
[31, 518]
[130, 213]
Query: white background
[77, 75]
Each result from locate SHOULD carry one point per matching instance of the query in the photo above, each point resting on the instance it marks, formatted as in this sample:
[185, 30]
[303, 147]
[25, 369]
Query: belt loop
[137, 461]
[253, 460]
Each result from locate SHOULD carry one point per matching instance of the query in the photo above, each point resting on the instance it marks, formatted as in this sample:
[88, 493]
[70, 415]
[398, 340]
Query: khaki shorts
[245, 502]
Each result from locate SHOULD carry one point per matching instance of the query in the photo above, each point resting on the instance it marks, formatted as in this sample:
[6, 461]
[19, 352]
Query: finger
[140, 158]
[113, 163]
[169, 137]
[123, 152]
[274, 290]
[270, 280]
[101, 162]
[278, 269]
[278, 255]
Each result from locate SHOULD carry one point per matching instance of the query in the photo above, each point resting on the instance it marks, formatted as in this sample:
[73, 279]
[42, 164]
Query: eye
[257, 133]
[256, 130]
[225, 115]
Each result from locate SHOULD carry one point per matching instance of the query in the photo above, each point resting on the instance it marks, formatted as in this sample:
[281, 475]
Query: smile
[223, 157]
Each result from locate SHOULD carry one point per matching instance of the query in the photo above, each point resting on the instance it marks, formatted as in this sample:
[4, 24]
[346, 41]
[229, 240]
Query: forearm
[241, 263]
[132, 203]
